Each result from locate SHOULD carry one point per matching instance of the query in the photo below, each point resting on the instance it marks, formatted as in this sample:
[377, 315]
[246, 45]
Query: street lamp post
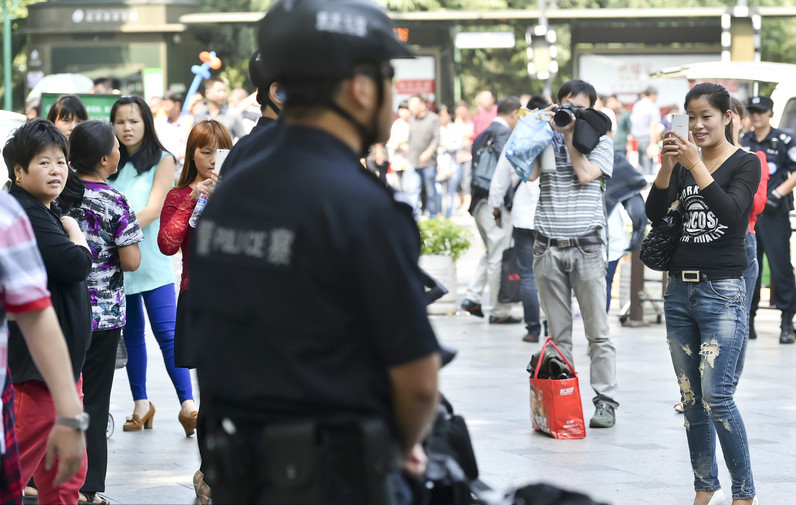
[541, 51]
[9, 6]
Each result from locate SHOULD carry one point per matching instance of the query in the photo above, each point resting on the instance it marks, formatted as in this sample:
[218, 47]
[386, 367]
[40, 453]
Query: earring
[18, 180]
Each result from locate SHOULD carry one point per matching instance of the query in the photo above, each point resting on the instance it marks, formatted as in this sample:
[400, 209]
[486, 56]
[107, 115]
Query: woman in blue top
[146, 172]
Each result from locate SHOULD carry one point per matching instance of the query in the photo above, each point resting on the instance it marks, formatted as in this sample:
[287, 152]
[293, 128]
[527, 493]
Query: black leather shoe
[786, 329]
[472, 307]
[504, 320]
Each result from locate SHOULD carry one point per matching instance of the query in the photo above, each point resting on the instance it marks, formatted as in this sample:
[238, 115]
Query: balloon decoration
[209, 60]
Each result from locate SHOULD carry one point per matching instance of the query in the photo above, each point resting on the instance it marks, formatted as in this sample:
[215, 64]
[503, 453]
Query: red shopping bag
[555, 403]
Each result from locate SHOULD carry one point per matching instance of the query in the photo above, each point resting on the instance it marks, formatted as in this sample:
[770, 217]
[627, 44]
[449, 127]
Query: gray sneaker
[604, 417]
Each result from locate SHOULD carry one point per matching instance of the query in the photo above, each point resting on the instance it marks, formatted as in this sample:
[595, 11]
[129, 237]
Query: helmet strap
[368, 135]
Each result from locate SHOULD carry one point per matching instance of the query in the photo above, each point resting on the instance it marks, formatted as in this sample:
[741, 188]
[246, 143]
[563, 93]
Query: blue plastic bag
[529, 138]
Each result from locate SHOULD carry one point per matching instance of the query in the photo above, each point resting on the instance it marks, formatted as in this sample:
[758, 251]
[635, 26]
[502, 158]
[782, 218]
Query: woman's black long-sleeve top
[715, 218]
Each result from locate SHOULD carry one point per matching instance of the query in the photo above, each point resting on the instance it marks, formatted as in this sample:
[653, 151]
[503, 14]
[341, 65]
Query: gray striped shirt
[566, 207]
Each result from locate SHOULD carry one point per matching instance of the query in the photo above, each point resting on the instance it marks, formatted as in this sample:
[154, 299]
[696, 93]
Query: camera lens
[562, 117]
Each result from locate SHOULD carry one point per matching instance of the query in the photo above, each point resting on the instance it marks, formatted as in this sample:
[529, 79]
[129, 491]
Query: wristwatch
[80, 423]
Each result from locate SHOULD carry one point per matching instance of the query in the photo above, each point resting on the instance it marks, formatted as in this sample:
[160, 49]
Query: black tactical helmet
[302, 39]
[257, 73]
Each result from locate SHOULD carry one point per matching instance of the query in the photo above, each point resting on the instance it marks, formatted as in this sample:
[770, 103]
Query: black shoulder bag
[658, 246]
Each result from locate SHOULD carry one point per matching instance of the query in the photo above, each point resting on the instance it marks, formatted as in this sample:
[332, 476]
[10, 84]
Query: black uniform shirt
[305, 287]
[780, 152]
[259, 136]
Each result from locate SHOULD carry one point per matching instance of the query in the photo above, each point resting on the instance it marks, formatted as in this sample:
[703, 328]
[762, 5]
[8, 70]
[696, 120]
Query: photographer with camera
[570, 228]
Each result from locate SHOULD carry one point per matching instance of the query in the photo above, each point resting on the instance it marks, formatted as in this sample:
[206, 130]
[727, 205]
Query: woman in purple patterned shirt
[112, 232]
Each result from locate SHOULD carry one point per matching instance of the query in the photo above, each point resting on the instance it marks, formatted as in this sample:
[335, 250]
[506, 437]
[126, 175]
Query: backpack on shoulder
[484, 164]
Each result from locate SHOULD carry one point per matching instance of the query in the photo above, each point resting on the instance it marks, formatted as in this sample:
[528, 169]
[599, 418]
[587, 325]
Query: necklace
[719, 160]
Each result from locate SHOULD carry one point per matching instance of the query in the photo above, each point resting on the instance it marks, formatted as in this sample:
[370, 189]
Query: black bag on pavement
[546, 494]
[509, 277]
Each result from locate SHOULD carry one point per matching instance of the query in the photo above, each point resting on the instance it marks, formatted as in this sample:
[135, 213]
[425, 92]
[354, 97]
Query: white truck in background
[741, 78]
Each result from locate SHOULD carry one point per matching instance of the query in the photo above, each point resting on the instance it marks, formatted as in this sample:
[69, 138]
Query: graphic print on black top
[700, 224]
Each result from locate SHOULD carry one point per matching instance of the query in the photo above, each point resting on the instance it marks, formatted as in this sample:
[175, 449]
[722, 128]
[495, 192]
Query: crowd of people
[107, 205]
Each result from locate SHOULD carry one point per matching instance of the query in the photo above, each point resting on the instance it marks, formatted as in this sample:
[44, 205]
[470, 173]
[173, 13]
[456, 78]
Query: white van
[746, 74]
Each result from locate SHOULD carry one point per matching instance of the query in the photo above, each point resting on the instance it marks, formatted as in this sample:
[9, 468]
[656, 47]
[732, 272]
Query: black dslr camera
[564, 114]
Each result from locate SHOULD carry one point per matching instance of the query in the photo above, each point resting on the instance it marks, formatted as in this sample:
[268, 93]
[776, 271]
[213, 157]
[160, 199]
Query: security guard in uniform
[317, 363]
[773, 228]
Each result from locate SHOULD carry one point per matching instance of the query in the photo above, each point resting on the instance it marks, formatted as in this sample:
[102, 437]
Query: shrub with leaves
[443, 236]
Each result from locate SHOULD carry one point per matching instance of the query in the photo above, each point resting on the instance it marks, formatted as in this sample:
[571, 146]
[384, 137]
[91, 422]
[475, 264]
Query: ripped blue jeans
[706, 327]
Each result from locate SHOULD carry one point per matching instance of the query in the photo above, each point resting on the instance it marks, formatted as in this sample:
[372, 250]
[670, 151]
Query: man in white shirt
[645, 118]
[172, 129]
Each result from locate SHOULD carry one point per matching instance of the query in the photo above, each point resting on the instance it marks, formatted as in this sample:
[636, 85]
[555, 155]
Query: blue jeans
[523, 246]
[433, 199]
[749, 278]
[706, 324]
[161, 306]
[452, 186]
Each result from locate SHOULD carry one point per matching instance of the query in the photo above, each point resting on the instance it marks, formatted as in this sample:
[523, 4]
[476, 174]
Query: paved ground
[642, 461]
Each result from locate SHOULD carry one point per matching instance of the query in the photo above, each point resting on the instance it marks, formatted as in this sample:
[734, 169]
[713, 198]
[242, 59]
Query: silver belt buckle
[565, 242]
[690, 275]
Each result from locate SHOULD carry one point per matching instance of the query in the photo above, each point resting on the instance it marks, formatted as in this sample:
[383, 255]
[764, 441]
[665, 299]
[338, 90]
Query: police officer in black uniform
[773, 228]
[267, 125]
[317, 363]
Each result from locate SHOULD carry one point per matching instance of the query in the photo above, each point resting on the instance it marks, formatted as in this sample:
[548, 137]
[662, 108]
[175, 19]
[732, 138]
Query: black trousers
[98, 372]
[773, 238]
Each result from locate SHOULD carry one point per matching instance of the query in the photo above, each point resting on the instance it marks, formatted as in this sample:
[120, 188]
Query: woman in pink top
[464, 156]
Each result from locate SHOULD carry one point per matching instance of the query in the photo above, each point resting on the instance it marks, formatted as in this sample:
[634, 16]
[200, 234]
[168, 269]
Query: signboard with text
[416, 76]
[97, 106]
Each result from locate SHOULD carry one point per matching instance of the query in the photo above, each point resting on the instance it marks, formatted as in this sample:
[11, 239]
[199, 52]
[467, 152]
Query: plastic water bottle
[221, 155]
[197, 210]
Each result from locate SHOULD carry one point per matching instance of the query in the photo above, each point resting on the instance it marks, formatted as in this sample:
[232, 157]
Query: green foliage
[443, 236]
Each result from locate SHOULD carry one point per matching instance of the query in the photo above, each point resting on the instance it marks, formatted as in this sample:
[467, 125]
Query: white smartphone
[680, 124]
[221, 156]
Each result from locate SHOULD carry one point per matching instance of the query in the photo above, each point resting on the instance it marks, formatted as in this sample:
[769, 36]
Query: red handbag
[555, 403]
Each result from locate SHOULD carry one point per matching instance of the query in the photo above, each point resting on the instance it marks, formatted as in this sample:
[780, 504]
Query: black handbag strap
[680, 181]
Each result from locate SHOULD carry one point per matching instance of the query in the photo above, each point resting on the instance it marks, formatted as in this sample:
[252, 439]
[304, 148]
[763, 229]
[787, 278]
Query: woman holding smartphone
[198, 177]
[705, 298]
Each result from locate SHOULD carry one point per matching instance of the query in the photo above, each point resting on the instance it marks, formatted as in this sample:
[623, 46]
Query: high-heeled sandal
[188, 422]
[201, 488]
[717, 498]
[135, 423]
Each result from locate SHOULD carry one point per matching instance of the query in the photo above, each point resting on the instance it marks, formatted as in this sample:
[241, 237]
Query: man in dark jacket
[495, 236]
